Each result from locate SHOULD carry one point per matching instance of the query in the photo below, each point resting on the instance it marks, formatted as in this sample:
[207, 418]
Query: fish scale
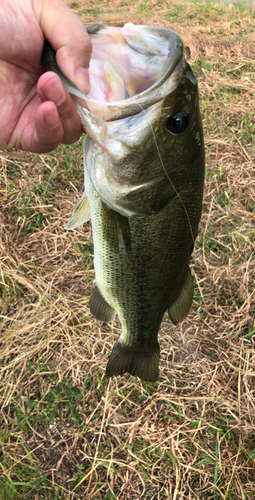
[136, 282]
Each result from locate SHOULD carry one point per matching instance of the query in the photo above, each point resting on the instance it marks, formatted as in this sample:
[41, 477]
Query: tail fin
[140, 363]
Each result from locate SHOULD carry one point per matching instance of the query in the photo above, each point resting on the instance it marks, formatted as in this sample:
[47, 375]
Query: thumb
[69, 39]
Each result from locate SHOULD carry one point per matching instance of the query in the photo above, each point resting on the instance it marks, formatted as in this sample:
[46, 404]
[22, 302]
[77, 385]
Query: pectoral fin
[81, 213]
[117, 231]
[123, 229]
[179, 309]
[99, 307]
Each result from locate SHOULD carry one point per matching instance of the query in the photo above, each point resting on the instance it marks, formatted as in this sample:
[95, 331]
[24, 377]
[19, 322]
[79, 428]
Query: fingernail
[82, 79]
[51, 119]
[54, 91]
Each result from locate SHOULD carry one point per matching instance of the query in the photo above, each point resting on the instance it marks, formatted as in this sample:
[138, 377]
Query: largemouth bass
[144, 175]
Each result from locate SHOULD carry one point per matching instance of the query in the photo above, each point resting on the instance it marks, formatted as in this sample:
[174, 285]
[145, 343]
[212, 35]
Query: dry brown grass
[68, 432]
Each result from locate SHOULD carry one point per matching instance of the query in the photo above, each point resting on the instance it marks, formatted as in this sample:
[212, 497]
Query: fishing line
[171, 184]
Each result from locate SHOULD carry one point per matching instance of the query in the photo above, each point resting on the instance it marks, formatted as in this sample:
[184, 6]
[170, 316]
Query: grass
[66, 431]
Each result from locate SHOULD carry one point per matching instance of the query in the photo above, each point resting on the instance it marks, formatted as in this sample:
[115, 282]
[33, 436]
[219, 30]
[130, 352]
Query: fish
[144, 165]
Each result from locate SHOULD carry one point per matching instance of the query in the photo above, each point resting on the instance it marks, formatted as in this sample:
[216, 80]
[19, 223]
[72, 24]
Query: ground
[68, 432]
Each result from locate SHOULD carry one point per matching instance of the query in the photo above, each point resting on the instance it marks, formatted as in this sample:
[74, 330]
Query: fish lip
[116, 110]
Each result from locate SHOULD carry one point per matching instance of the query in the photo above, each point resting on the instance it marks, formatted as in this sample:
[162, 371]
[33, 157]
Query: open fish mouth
[131, 68]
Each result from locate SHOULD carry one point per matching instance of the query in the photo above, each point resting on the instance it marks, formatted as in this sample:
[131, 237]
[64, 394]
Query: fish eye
[177, 123]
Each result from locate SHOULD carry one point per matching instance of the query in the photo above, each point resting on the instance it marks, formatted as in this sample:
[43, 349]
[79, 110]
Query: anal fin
[179, 309]
[99, 307]
[140, 363]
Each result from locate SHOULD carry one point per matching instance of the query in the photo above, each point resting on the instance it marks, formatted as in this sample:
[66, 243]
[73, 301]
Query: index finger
[68, 37]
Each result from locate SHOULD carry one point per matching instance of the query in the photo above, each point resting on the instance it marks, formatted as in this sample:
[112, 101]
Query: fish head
[144, 160]
[144, 134]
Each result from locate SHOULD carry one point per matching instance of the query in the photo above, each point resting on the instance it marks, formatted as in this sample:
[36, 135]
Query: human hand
[37, 113]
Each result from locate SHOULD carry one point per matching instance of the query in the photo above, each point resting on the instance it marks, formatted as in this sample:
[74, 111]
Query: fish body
[144, 175]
